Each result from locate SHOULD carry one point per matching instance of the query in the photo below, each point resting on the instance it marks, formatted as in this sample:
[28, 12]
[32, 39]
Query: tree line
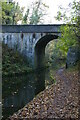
[12, 13]
[70, 33]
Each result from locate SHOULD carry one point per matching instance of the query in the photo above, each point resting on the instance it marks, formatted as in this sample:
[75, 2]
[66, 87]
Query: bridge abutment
[30, 40]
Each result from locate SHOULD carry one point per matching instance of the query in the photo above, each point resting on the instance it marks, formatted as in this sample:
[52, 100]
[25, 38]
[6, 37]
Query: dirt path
[58, 101]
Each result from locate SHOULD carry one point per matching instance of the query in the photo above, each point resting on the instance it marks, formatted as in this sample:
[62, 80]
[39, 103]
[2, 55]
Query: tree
[17, 13]
[25, 18]
[6, 13]
[35, 15]
[70, 32]
[11, 13]
[0, 12]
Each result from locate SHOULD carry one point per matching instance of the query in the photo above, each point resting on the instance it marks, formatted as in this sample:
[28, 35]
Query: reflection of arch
[40, 49]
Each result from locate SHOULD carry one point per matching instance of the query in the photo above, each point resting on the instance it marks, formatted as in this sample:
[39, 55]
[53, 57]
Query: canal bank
[60, 100]
[20, 90]
[20, 83]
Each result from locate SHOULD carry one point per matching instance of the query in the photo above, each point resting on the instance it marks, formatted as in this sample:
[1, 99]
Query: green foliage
[67, 39]
[52, 78]
[17, 13]
[35, 13]
[70, 32]
[13, 62]
[11, 13]
[54, 56]
[0, 12]
[6, 13]
[25, 18]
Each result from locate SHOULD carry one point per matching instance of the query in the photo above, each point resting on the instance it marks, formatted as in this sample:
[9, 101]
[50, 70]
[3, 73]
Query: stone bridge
[30, 40]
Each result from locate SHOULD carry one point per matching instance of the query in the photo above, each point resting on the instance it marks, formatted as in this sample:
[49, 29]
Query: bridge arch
[40, 49]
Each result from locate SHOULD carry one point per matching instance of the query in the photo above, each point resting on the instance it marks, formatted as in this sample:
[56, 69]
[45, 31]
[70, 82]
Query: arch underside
[40, 49]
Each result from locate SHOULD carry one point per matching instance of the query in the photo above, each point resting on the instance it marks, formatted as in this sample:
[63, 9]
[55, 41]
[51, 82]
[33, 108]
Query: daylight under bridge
[30, 40]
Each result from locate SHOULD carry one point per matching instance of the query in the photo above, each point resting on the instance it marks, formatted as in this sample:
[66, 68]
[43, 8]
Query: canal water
[20, 90]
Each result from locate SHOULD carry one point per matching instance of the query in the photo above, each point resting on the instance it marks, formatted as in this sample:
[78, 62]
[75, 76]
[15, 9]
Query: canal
[20, 90]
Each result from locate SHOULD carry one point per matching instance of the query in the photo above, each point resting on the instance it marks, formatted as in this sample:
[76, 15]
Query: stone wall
[25, 37]
[73, 56]
[22, 42]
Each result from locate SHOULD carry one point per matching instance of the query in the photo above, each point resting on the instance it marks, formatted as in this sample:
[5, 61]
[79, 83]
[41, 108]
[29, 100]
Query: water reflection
[40, 81]
[18, 91]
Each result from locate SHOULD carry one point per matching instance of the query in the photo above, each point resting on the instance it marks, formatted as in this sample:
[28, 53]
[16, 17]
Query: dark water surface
[20, 90]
